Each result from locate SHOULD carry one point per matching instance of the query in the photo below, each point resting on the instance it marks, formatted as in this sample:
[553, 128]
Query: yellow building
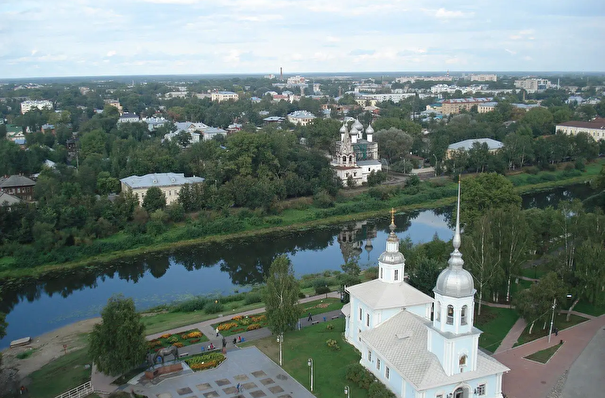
[169, 183]
[453, 106]
[595, 128]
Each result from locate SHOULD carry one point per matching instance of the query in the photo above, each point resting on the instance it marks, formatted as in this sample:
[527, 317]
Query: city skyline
[171, 37]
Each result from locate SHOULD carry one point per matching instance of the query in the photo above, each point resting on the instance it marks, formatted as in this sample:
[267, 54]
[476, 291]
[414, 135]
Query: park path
[512, 336]
[533, 379]
[102, 382]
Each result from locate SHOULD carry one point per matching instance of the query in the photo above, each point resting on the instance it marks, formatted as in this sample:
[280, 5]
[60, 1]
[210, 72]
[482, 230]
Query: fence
[79, 392]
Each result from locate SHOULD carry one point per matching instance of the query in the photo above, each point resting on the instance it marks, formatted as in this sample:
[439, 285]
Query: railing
[78, 392]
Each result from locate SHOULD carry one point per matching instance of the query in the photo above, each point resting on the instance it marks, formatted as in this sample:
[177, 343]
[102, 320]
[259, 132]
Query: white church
[355, 157]
[389, 322]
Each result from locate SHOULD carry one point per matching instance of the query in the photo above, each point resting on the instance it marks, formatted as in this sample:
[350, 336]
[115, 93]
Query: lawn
[538, 332]
[590, 309]
[62, 374]
[544, 355]
[495, 324]
[329, 365]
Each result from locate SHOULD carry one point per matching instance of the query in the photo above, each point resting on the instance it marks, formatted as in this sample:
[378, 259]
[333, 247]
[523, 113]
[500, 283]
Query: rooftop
[468, 144]
[15, 181]
[160, 180]
[598, 123]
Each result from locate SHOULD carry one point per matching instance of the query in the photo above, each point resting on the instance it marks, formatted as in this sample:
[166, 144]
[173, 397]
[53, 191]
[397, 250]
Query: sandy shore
[46, 348]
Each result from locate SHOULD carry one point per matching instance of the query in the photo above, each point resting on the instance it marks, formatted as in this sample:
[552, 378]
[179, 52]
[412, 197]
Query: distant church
[389, 322]
[354, 156]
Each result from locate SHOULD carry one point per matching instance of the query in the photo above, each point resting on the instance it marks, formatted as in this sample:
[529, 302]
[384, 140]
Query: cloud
[111, 53]
[511, 52]
[359, 51]
[442, 13]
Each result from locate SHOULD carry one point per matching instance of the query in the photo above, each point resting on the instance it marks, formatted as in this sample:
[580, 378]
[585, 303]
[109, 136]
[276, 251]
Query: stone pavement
[256, 375]
[585, 378]
[102, 382]
[532, 379]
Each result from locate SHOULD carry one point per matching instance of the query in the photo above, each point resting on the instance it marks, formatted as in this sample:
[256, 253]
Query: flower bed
[239, 324]
[180, 340]
[205, 361]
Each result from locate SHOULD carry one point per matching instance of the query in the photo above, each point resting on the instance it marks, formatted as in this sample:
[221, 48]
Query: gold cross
[392, 215]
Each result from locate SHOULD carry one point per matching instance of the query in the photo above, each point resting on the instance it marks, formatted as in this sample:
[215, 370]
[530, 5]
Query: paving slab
[267, 379]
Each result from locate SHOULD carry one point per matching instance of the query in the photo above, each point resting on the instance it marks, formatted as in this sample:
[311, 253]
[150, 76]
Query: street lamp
[280, 340]
[347, 391]
[435, 156]
[310, 365]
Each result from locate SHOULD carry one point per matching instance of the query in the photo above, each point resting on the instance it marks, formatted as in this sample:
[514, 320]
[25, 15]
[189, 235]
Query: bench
[336, 317]
[183, 354]
[314, 322]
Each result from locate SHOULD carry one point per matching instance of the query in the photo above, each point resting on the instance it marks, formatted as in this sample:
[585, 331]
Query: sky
[47, 38]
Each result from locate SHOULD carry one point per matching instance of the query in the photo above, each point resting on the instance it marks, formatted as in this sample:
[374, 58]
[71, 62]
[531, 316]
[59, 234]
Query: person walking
[310, 319]
[216, 332]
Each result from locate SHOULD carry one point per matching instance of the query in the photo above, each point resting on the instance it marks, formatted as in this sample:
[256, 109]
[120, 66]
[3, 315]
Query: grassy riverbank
[296, 215]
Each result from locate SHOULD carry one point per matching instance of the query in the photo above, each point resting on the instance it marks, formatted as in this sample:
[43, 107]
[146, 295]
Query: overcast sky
[136, 37]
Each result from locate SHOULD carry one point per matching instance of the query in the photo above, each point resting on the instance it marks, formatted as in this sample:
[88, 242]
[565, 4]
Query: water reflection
[35, 306]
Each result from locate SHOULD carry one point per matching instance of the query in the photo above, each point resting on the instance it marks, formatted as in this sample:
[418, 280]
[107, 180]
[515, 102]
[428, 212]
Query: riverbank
[429, 196]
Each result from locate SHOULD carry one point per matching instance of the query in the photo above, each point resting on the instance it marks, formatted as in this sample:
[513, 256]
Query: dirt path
[46, 348]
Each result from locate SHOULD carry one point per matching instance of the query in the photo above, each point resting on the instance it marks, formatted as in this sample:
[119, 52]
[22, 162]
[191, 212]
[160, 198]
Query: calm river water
[39, 306]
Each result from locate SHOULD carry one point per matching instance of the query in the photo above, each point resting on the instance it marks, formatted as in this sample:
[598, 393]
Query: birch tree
[281, 296]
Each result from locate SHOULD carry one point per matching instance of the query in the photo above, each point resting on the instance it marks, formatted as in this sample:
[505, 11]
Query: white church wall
[423, 310]
[490, 383]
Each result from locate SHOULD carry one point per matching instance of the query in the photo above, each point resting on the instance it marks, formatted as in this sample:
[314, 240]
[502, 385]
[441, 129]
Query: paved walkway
[512, 336]
[587, 370]
[532, 379]
[102, 382]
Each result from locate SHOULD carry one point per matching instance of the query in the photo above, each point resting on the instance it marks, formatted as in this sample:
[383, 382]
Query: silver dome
[357, 125]
[343, 129]
[455, 282]
[391, 258]
[370, 130]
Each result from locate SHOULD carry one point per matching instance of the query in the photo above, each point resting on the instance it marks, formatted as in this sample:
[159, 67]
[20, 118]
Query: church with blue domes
[421, 346]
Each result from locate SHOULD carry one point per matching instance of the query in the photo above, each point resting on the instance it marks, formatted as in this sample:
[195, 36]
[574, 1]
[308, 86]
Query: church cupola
[343, 131]
[452, 336]
[391, 263]
[369, 132]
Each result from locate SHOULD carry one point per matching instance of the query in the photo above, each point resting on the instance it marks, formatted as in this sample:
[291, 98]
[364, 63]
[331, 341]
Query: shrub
[237, 318]
[359, 375]
[259, 318]
[178, 345]
[532, 170]
[154, 343]
[173, 339]
[213, 308]
[194, 335]
[184, 337]
[371, 273]
[252, 298]
[165, 336]
[329, 327]
[379, 390]
[322, 290]
[580, 164]
[193, 341]
[301, 295]
[245, 322]
[323, 200]
[191, 305]
[332, 344]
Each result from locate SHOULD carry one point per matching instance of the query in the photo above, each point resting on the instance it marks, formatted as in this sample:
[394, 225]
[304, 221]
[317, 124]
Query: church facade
[355, 157]
[417, 345]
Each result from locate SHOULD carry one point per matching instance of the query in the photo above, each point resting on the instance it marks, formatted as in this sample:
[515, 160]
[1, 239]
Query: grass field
[538, 332]
[544, 355]
[495, 324]
[590, 309]
[329, 366]
[62, 374]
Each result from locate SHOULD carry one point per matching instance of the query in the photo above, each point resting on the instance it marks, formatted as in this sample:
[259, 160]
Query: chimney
[281, 73]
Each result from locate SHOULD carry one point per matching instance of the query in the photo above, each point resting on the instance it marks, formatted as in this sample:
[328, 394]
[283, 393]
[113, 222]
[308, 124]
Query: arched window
[463, 315]
[450, 315]
[381, 273]
[396, 274]
[438, 311]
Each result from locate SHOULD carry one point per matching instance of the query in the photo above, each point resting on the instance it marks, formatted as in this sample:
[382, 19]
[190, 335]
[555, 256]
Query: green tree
[281, 296]
[536, 302]
[424, 276]
[484, 192]
[107, 184]
[118, 343]
[154, 199]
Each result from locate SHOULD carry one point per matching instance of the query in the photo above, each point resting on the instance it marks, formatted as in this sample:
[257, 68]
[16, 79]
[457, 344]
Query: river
[37, 306]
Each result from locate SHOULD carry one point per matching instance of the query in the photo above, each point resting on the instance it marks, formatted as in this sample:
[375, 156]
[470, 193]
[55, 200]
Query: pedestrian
[238, 387]
[239, 339]
[224, 342]
[310, 319]
[216, 332]
[234, 341]
[556, 332]
[21, 390]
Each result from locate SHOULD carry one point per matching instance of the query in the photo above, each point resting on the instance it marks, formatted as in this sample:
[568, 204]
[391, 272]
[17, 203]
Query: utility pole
[554, 304]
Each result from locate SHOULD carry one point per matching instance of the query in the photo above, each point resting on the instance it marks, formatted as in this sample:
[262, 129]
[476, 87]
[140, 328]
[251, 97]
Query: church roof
[380, 295]
[402, 342]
